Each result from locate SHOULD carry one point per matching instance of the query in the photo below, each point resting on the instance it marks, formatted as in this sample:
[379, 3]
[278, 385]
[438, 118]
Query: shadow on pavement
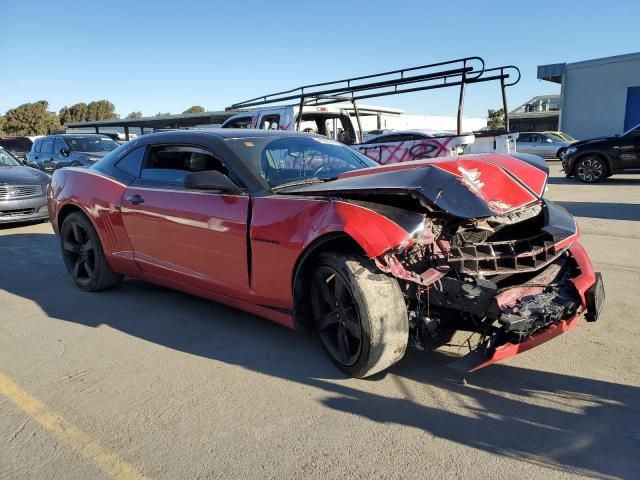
[610, 211]
[579, 425]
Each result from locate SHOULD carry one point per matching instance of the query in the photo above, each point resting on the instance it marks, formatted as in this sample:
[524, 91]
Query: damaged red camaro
[308, 232]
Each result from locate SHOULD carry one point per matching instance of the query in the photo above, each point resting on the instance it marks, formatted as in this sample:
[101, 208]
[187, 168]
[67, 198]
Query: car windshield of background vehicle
[556, 138]
[295, 160]
[8, 160]
[91, 144]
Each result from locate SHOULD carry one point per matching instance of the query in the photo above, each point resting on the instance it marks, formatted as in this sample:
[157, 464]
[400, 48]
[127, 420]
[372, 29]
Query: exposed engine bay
[502, 277]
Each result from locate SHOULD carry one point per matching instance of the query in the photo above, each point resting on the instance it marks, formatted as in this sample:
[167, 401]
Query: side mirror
[211, 180]
[65, 152]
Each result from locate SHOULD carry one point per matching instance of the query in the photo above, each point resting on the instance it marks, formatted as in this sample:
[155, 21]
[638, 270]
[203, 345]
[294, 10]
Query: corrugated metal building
[598, 97]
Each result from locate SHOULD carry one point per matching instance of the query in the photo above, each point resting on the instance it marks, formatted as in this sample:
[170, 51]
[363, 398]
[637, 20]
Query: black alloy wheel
[336, 316]
[79, 253]
[591, 169]
[83, 255]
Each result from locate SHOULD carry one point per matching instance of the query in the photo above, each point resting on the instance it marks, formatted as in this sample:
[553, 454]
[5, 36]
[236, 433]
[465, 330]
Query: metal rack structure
[459, 72]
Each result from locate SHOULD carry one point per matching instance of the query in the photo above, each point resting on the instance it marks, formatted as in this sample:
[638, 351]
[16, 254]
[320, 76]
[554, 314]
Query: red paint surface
[491, 183]
[494, 173]
[198, 238]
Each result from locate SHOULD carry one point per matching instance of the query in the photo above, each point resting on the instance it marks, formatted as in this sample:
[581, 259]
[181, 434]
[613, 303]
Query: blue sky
[164, 56]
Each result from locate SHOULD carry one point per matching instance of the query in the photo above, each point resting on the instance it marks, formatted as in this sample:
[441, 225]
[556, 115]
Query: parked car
[305, 231]
[542, 144]
[69, 150]
[19, 146]
[565, 137]
[22, 191]
[594, 160]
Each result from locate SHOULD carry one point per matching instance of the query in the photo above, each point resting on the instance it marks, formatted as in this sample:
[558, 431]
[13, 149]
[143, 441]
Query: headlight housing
[569, 151]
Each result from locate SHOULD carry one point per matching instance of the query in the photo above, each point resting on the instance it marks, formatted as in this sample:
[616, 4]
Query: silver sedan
[543, 144]
[22, 191]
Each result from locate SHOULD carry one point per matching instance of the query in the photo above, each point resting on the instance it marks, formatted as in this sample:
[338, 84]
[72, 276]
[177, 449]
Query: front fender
[284, 228]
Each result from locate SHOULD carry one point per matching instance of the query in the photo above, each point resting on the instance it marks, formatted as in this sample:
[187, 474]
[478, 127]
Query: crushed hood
[471, 186]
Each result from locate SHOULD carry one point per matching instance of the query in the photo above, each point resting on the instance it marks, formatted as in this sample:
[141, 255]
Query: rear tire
[359, 313]
[83, 255]
[591, 169]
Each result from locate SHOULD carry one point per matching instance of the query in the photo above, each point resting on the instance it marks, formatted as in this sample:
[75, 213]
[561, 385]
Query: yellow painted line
[108, 462]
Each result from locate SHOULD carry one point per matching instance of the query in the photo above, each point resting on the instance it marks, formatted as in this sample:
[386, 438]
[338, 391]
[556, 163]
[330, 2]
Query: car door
[45, 156]
[59, 159]
[548, 147]
[194, 237]
[524, 144]
[629, 147]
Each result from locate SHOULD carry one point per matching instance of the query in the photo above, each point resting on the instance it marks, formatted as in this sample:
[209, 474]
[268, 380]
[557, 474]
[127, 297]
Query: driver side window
[171, 163]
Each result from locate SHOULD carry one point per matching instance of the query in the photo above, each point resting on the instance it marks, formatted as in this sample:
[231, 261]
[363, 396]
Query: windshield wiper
[305, 181]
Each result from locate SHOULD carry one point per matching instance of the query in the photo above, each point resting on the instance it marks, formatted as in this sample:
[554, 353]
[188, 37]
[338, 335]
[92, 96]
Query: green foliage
[1, 124]
[194, 109]
[74, 113]
[495, 119]
[101, 110]
[31, 119]
[135, 115]
[82, 112]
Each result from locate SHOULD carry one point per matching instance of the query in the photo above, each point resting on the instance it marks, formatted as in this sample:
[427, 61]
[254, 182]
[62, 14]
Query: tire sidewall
[372, 353]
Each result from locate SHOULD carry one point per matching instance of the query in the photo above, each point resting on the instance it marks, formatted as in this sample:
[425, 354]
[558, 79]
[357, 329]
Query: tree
[135, 115]
[194, 109]
[1, 124]
[101, 110]
[74, 113]
[495, 119]
[31, 119]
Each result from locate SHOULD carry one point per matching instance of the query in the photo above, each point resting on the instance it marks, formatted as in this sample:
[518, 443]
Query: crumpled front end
[516, 280]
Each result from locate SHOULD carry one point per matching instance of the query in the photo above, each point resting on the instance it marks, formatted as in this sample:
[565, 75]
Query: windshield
[91, 144]
[637, 127]
[297, 159]
[556, 138]
[8, 160]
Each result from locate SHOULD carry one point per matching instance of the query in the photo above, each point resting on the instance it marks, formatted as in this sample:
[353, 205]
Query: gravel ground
[145, 380]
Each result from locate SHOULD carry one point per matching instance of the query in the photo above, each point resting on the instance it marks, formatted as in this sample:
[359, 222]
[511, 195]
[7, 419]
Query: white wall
[595, 95]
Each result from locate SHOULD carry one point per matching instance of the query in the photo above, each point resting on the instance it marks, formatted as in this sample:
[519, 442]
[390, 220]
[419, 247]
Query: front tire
[359, 313]
[591, 169]
[83, 255]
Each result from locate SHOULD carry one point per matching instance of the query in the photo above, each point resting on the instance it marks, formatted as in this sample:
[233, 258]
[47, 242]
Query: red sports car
[306, 231]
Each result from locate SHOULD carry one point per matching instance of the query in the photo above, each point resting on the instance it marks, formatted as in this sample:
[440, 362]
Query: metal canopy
[162, 121]
[452, 73]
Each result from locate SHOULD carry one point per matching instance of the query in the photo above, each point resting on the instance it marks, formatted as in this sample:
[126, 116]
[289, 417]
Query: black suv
[19, 146]
[594, 160]
[69, 150]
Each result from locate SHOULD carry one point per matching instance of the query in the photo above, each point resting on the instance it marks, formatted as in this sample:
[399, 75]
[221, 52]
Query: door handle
[135, 199]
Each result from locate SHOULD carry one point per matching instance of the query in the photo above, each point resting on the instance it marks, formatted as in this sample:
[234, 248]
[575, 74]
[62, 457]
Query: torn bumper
[590, 291]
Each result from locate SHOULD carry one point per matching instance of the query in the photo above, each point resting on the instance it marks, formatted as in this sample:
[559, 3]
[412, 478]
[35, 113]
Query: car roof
[81, 134]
